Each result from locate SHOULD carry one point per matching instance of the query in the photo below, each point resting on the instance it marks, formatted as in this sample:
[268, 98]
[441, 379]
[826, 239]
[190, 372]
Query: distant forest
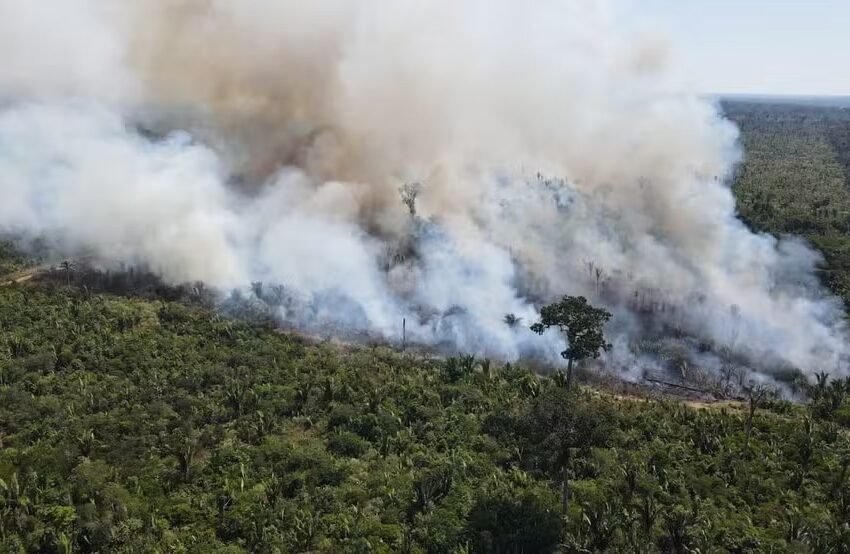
[795, 178]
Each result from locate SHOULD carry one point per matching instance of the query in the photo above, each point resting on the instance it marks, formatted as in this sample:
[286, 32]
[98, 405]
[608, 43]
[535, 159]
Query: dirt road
[23, 275]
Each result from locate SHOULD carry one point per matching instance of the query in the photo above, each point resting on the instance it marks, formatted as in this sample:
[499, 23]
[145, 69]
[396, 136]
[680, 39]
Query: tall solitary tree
[582, 324]
[67, 266]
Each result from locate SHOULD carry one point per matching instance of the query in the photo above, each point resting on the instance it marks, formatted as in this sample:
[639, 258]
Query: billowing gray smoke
[267, 140]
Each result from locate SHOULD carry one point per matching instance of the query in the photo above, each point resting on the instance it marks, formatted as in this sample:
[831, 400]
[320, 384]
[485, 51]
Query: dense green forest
[795, 178]
[137, 419]
[143, 425]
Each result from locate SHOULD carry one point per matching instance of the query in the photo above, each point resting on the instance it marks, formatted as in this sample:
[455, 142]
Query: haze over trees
[795, 178]
[135, 418]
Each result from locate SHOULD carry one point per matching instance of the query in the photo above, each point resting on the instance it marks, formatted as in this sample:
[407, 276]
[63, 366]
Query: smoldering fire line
[279, 134]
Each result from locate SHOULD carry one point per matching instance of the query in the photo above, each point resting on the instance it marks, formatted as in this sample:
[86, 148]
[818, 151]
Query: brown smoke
[305, 118]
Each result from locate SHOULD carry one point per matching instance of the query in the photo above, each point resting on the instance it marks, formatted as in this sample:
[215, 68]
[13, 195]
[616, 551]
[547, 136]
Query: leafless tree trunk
[565, 482]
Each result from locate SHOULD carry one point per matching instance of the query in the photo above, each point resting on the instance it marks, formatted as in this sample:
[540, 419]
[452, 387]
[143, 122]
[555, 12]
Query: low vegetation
[137, 425]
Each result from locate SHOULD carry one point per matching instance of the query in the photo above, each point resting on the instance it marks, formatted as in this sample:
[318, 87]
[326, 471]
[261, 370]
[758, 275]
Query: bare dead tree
[409, 192]
[735, 327]
[598, 272]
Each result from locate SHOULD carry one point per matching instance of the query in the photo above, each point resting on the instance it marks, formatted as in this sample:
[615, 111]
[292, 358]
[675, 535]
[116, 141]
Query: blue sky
[758, 46]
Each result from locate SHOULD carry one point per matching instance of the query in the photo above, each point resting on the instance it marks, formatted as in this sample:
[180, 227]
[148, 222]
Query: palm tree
[842, 463]
[757, 395]
[820, 387]
[67, 266]
[512, 320]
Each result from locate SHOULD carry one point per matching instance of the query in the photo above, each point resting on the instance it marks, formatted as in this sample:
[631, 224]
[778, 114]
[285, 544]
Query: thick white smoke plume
[267, 140]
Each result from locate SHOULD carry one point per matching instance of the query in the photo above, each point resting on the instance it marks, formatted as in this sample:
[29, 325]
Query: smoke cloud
[538, 149]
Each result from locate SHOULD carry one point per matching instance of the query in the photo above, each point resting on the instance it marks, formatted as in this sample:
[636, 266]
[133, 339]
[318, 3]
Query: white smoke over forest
[538, 148]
